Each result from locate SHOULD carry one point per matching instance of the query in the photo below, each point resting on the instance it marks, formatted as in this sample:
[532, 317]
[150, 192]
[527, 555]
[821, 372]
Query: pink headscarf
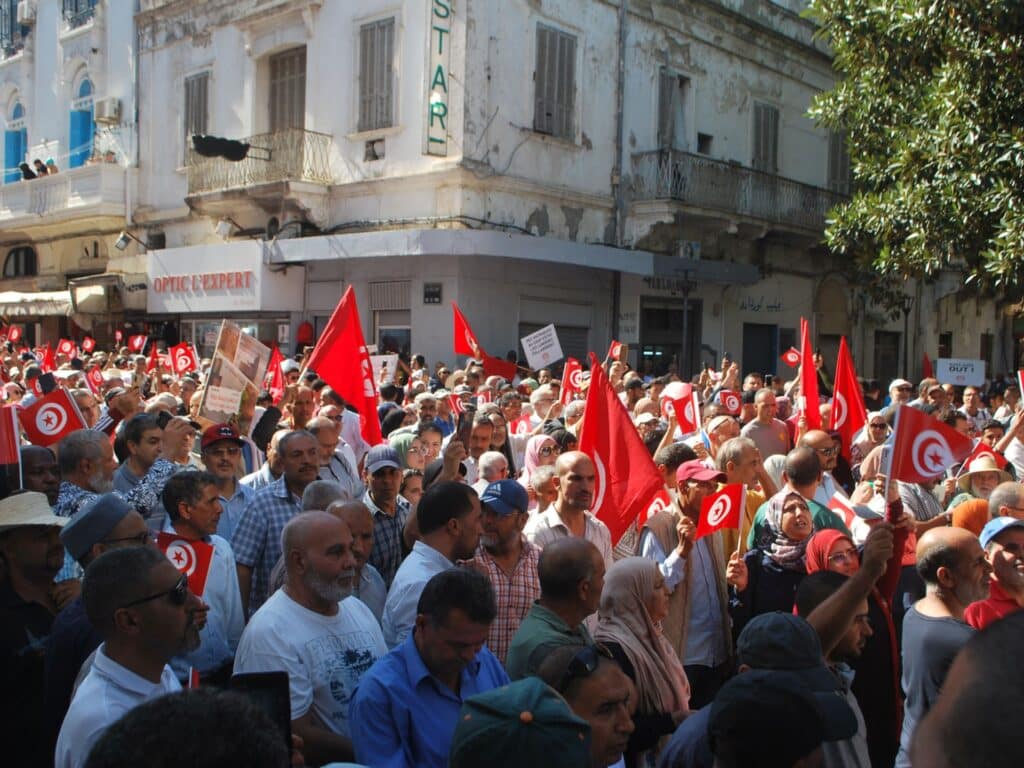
[532, 460]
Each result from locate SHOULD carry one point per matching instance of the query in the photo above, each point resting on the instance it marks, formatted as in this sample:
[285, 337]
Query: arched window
[21, 262]
[83, 128]
[15, 141]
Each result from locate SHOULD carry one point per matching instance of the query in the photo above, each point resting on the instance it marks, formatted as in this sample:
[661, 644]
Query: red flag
[137, 343]
[843, 507]
[626, 478]
[731, 401]
[614, 350]
[572, 378]
[808, 379]
[484, 396]
[94, 378]
[924, 447]
[464, 341]
[191, 557]
[340, 358]
[521, 426]
[456, 404]
[182, 359]
[51, 418]
[848, 412]
[14, 334]
[791, 357]
[66, 347]
[495, 366]
[721, 510]
[927, 372]
[88, 344]
[273, 382]
[686, 409]
[154, 359]
[981, 449]
[10, 452]
[118, 336]
[49, 362]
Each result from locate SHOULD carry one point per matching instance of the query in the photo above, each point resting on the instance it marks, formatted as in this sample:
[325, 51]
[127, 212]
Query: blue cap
[995, 526]
[382, 456]
[505, 497]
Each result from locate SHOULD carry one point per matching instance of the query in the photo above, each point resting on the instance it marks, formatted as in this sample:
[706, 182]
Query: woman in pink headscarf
[540, 451]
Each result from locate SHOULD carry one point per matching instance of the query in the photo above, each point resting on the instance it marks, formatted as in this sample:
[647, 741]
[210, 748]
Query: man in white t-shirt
[142, 607]
[313, 630]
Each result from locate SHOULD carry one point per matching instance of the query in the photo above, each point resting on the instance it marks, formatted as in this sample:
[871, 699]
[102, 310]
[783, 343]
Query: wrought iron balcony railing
[290, 155]
[701, 182]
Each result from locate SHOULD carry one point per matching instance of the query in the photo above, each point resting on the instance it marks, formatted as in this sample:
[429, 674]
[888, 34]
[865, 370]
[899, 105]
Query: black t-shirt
[929, 647]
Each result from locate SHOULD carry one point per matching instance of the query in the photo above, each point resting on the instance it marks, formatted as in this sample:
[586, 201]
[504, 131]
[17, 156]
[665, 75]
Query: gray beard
[329, 590]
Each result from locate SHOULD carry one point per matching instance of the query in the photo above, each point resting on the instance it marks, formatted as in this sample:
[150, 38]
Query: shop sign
[439, 60]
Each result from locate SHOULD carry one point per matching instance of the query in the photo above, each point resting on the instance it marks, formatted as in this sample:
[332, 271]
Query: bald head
[563, 564]
[953, 566]
[575, 482]
[305, 529]
[941, 548]
[359, 520]
[803, 469]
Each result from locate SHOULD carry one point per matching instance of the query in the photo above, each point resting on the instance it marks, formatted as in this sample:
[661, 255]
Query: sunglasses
[878, 426]
[141, 539]
[828, 451]
[584, 664]
[177, 595]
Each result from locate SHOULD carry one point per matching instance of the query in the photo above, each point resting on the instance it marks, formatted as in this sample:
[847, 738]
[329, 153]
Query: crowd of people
[449, 597]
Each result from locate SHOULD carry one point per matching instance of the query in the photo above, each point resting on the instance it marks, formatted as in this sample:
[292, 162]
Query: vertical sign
[439, 53]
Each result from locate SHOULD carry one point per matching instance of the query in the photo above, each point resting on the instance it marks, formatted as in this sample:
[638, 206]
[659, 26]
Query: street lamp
[906, 302]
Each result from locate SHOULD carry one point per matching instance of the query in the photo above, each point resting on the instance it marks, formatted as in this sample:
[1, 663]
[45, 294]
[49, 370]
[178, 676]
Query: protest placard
[542, 347]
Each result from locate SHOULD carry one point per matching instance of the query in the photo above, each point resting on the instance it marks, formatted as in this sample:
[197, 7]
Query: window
[766, 138]
[12, 34]
[672, 92]
[83, 128]
[838, 164]
[21, 262]
[555, 83]
[376, 75]
[78, 12]
[197, 89]
[15, 141]
[288, 90]
[985, 349]
[945, 345]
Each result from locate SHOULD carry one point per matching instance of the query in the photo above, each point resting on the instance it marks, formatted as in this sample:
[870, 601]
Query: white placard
[385, 363]
[962, 373]
[542, 347]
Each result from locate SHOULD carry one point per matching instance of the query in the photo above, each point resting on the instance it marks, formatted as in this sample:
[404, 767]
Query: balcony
[61, 203]
[702, 183]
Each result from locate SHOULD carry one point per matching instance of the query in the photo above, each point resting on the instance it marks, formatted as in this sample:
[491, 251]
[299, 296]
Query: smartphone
[465, 425]
[47, 383]
[269, 692]
[163, 419]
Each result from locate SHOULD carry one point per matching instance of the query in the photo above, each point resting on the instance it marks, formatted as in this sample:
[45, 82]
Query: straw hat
[984, 463]
[29, 508]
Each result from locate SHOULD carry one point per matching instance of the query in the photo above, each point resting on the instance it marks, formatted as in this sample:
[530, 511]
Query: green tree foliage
[930, 96]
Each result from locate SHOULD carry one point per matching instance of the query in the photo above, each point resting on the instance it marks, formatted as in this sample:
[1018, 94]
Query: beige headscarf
[624, 619]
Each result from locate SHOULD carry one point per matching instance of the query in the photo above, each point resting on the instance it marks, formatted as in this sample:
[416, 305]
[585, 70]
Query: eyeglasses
[584, 664]
[177, 594]
[549, 449]
[828, 451]
[904, 389]
[141, 539]
[883, 425]
[848, 556]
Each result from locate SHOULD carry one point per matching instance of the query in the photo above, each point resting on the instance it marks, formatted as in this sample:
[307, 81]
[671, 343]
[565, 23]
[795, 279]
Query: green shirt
[540, 633]
[821, 517]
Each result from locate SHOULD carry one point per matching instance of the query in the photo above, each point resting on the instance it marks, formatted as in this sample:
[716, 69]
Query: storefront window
[203, 333]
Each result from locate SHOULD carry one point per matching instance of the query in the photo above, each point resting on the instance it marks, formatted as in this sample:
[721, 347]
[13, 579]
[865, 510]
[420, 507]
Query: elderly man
[1007, 500]
[901, 392]
[769, 434]
[493, 467]
[407, 705]
[334, 465]
[31, 553]
[313, 628]
[367, 584]
[449, 526]
[1003, 541]
[257, 539]
[509, 560]
[571, 574]
[570, 514]
[142, 607]
[426, 408]
[741, 463]
[383, 473]
[88, 406]
[221, 447]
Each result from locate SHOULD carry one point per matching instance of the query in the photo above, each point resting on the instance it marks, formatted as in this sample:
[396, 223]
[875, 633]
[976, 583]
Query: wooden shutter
[376, 75]
[838, 164]
[766, 138]
[555, 83]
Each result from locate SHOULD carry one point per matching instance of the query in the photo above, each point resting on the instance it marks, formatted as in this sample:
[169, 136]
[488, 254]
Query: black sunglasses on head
[584, 664]
[177, 594]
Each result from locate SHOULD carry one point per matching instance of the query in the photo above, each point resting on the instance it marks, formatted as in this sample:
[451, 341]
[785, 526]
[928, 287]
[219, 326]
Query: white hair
[491, 464]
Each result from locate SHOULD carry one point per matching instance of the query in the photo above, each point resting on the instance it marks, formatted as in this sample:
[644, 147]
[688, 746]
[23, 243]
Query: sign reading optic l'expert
[439, 53]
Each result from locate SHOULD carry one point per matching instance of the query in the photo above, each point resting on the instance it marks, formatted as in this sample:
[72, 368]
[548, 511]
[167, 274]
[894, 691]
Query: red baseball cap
[219, 432]
[695, 469]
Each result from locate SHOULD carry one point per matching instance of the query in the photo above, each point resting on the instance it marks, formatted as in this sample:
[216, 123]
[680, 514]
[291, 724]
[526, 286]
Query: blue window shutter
[12, 155]
[80, 141]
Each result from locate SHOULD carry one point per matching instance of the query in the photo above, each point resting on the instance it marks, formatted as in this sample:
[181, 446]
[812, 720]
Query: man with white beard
[315, 631]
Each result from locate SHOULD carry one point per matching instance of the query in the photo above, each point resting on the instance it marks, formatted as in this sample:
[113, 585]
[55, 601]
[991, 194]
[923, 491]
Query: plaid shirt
[514, 594]
[387, 537]
[257, 538]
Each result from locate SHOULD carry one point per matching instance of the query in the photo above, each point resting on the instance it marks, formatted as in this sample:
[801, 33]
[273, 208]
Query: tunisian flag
[14, 334]
[191, 557]
[721, 510]
[464, 342]
[572, 377]
[340, 358]
[848, 412]
[627, 482]
[94, 378]
[49, 361]
[88, 344]
[137, 343]
[924, 447]
[273, 382]
[808, 378]
[51, 418]
[182, 359]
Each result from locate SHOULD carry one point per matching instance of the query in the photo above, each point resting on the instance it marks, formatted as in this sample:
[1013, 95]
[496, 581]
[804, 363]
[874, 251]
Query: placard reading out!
[962, 373]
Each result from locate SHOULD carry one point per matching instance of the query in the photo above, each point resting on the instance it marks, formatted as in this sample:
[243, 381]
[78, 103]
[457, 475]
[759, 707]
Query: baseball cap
[463, 389]
[29, 508]
[216, 433]
[784, 642]
[505, 497]
[995, 526]
[645, 418]
[382, 456]
[524, 723]
[695, 469]
[899, 383]
[289, 365]
[763, 712]
[93, 523]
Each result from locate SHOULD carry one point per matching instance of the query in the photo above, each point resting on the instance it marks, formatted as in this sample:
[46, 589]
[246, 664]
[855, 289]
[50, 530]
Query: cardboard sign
[962, 373]
[542, 347]
[384, 367]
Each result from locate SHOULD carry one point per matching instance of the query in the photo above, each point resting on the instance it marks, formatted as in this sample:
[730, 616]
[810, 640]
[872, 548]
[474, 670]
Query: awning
[19, 304]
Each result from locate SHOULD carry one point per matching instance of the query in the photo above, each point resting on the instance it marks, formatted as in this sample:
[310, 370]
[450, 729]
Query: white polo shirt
[108, 692]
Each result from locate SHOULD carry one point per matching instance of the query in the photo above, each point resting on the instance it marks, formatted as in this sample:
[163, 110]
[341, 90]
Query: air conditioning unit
[107, 111]
[26, 13]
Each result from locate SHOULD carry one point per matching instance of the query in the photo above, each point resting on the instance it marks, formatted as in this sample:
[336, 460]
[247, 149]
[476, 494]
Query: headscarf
[871, 467]
[623, 618]
[774, 465]
[784, 551]
[532, 460]
[401, 443]
[820, 547]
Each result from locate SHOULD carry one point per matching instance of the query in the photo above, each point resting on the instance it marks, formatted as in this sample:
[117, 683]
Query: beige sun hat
[984, 463]
[29, 508]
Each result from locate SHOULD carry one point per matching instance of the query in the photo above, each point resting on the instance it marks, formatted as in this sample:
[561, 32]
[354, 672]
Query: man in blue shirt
[221, 447]
[407, 705]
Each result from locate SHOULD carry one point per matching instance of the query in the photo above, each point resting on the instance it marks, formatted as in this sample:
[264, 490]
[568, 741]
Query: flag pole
[743, 514]
[887, 461]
